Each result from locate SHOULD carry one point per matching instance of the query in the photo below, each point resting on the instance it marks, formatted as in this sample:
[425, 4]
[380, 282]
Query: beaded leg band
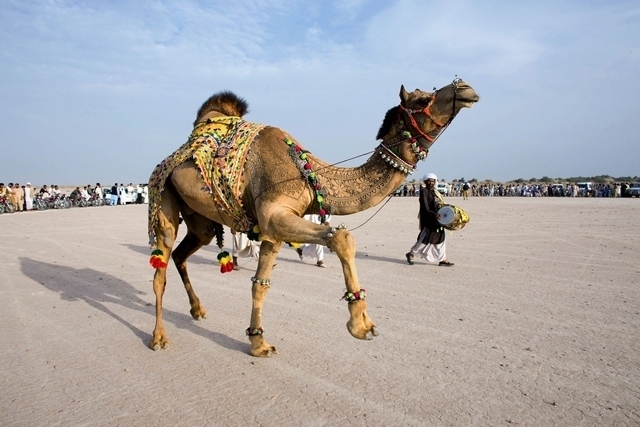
[354, 296]
[263, 282]
[254, 331]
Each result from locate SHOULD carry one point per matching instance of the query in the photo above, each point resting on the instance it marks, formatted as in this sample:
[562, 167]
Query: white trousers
[313, 251]
[245, 248]
[430, 252]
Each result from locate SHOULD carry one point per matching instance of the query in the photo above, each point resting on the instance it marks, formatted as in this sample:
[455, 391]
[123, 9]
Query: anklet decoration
[263, 282]
[156, 259]
[334, 230]
[226, 264]
[354, 296]
[254, 331]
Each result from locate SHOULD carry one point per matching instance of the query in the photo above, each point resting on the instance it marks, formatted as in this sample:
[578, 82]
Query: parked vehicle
[585, 188]
[59, 201]
[634, 190]
[557, 190]
[443, 188]
[94, 200]
[39, 203]
[6, 205]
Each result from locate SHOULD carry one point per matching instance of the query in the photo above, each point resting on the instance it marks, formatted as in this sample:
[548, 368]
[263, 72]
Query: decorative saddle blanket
[219, 148]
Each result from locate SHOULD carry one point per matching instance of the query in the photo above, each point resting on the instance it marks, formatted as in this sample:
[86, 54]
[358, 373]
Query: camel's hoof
[362, 333]
[198, 313]
[372, 333]
[264, 352]
[160, 343]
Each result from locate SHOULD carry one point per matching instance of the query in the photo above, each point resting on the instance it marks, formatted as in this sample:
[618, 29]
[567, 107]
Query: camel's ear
[404, 95]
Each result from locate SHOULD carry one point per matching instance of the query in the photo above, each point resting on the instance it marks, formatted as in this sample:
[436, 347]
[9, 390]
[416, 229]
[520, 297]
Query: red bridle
[427, 112]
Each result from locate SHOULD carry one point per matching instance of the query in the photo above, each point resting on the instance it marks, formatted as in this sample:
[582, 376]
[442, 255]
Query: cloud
[327, 72]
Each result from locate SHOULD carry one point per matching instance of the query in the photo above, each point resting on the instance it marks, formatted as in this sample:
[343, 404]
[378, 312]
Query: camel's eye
[422, 103]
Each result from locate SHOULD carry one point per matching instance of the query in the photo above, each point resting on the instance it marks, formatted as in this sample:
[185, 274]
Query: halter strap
[427, 111]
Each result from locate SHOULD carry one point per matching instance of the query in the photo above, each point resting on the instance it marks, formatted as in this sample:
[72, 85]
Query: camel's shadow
[96, 288]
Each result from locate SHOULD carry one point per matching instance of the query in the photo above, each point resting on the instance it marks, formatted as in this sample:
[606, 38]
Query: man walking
[465, 191]
[431, 243]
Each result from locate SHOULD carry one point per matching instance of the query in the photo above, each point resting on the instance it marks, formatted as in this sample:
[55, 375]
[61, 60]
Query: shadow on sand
[96, 288]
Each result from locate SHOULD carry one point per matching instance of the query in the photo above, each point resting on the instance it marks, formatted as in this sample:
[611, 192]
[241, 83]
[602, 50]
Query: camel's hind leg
[200, 233]
[261, 283]
[166, 232]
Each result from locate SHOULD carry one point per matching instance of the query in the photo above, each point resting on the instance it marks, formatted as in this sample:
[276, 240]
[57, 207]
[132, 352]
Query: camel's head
[427, 114]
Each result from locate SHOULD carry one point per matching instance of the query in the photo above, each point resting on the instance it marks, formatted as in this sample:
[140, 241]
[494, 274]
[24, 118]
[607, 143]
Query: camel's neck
[352, 190]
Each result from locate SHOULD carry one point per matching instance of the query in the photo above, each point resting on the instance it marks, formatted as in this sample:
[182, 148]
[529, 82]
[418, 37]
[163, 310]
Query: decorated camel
[259, 180]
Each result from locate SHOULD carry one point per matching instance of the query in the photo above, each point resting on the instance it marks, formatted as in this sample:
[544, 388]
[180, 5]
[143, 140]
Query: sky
[102, 91]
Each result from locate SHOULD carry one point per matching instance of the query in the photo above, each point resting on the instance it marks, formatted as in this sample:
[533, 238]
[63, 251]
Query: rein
[427, 112]
[432, 139]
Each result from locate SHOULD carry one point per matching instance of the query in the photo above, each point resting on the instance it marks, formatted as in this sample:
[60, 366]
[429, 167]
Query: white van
[584, 188]
[443, 188]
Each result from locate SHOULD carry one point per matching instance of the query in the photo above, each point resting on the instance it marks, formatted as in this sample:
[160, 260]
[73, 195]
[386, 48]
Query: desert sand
[537, 324]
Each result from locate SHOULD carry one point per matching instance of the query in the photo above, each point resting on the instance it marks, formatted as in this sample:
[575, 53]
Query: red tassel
[156, 262]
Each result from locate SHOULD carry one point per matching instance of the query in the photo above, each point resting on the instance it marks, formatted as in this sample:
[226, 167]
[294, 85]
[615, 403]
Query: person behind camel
[431, 243]
[313, 250]
[243, 247]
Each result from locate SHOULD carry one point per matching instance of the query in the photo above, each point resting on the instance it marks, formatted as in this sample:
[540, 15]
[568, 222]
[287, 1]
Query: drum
[452, 217]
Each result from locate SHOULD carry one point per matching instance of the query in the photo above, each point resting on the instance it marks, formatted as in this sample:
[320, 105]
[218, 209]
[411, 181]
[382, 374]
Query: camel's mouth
[466, 95]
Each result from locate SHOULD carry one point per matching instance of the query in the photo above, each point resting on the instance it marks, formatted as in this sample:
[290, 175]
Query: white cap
[28, 183]
[430, 176]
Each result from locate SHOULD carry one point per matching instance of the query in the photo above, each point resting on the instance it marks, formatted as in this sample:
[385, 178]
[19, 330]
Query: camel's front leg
[344, 245]
[260, 286]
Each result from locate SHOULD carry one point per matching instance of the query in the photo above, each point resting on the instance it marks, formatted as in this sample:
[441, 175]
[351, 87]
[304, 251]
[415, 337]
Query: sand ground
[536, 325]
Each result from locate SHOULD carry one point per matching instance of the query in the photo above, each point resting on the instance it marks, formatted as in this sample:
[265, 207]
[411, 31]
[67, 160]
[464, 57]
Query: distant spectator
[44, 192]
[28, 197]
[98, 191]
[18, 195]
[76, 194]
[114, 195]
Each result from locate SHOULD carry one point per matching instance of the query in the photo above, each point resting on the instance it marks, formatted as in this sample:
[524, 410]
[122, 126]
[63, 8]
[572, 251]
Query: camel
[276, 183]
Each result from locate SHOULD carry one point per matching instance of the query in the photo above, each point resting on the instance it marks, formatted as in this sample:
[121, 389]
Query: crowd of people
[465, 189]
[22, 196]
